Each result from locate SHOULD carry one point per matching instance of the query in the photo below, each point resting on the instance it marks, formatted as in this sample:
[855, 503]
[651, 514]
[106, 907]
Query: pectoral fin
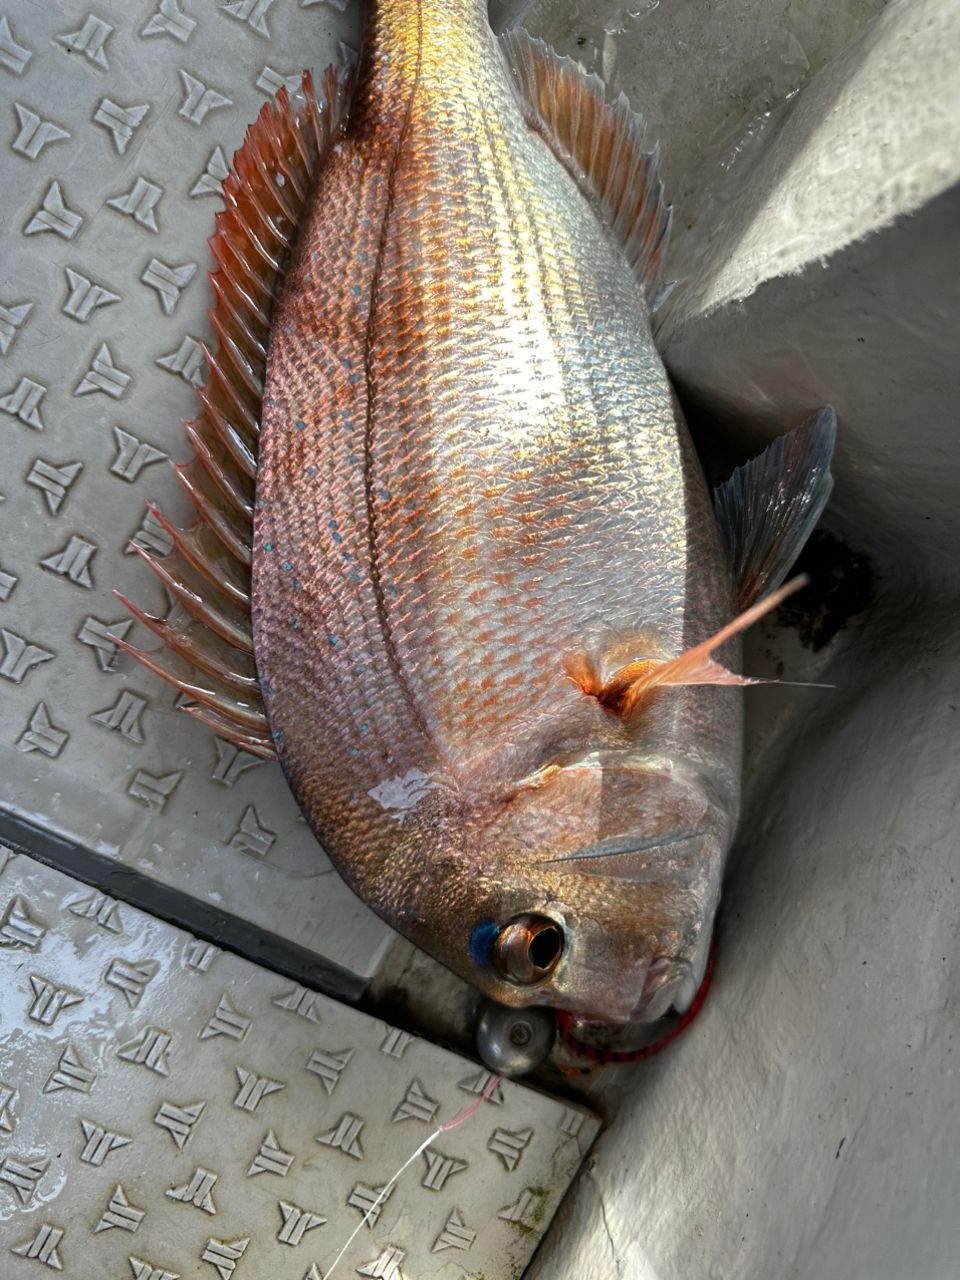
[621, 692]
[769, 506]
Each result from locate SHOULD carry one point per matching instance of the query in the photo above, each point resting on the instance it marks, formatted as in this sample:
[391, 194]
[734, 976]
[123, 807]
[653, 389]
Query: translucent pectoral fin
[769, 506]
[621, 692]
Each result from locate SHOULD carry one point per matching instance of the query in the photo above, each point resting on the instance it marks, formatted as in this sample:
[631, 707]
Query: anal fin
[602, 146]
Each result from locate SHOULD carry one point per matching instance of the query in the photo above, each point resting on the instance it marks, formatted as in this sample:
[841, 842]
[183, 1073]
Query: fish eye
[528, 949]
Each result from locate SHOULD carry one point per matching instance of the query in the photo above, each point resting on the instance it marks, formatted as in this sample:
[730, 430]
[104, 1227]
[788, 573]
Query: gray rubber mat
[171, 1110]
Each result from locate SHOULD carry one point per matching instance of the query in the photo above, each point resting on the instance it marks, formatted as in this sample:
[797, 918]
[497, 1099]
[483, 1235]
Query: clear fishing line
[385, 1190]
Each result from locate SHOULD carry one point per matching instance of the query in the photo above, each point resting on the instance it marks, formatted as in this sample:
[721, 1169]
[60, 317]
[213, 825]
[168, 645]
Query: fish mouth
[670, 986]
[671, 983]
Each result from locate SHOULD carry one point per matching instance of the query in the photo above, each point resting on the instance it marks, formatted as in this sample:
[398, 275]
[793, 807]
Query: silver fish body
[459, 570]
[500, 478]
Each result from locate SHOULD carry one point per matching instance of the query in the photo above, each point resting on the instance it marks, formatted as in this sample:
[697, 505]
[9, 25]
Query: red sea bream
[441, 468]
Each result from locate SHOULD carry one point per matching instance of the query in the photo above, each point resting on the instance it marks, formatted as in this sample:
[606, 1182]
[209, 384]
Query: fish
[455, 563]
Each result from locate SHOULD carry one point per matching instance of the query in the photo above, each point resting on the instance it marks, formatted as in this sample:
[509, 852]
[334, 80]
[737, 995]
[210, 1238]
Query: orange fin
[200, 646]
[621, 692]
[244, 712]
[602, 146]
[208, 570]
[256, 743]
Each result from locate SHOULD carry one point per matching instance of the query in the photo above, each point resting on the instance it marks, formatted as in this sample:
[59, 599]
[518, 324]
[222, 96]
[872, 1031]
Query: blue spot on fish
[311, 471]
[333, 639]
[287, 566]
[481, 940]
[300, 425]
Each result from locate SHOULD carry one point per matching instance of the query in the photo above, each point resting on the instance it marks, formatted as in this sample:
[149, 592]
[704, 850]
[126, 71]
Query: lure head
[594, 892]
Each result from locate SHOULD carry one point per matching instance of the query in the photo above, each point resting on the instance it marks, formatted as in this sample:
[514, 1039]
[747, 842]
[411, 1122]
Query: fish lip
[674, 995]
[670, 983]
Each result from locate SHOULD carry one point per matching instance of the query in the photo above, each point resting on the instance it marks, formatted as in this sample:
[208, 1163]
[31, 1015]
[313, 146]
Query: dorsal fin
[601, 144]
[208, 572]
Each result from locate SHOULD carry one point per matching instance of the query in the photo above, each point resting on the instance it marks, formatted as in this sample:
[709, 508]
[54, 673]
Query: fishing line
[385, 1190]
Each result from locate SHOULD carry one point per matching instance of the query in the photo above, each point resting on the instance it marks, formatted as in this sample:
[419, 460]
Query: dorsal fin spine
[232, 439]
[198, 607]
[258, 744]
[241, 712]
[218, 517]
[235, 400]
[221, 475]
[236, 269]
[199, 655]
[230, 351]
[243, 199]
[240, 308]
[187, 543]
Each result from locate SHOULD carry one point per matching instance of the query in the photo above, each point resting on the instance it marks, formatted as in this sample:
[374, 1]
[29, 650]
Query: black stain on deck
[842, 585]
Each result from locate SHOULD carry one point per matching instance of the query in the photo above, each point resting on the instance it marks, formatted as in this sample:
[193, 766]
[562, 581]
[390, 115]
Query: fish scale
[487, 578]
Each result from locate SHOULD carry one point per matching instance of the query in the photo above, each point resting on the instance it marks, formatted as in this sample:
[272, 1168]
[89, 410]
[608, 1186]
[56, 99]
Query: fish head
[595, 890]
